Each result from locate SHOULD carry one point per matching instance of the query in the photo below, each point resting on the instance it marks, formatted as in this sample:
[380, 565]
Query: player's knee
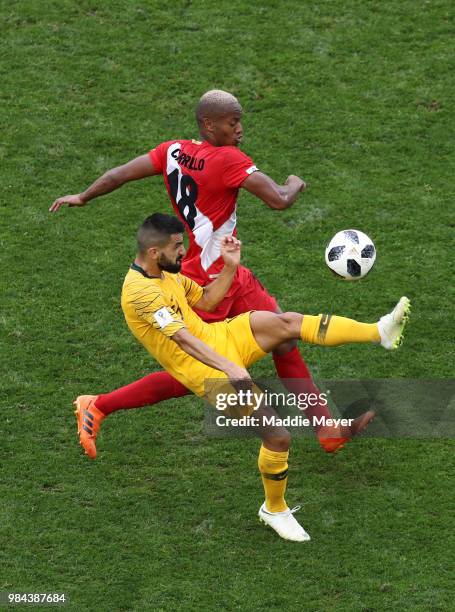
[290, 322]
[279, 441]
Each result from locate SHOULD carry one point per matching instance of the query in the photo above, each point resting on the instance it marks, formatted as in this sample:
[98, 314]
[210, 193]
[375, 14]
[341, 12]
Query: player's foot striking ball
[391, 326]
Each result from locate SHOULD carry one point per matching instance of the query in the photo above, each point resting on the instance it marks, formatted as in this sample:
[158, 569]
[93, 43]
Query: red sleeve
[236, 167]
[158, 157]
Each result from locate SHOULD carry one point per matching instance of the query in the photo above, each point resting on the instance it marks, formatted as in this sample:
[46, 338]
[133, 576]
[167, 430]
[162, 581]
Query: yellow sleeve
[151, 306]
[193, 291]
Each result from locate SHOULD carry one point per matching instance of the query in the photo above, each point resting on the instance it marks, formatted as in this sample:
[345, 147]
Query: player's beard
[169, 266]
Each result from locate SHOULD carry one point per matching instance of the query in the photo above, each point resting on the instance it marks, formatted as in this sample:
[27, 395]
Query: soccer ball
[350, 254]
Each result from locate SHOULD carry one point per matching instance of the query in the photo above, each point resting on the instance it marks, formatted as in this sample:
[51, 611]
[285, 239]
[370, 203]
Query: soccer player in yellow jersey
[158, 303]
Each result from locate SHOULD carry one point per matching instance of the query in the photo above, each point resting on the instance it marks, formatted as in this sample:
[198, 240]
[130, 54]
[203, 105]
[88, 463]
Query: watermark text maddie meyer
[275, 421]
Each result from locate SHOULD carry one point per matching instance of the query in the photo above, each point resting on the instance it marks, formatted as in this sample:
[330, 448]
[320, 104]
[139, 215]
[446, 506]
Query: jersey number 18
[188, 195]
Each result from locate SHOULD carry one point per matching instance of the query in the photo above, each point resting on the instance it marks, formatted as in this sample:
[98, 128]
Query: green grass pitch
[357, 98]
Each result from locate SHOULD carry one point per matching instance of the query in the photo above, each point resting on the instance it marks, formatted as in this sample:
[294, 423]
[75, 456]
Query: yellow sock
[331, 330]
[274, 469]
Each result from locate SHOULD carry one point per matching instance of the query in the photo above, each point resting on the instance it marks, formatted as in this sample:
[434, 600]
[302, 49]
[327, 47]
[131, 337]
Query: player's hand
[68, 200]
[230, 251]
[296, 180]
[239, 377]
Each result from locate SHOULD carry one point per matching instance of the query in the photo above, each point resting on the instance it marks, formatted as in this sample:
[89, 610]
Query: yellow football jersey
[156, 308]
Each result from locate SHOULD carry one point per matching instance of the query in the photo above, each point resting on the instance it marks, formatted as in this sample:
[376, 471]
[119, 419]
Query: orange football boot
[88, 422]
[334, 440]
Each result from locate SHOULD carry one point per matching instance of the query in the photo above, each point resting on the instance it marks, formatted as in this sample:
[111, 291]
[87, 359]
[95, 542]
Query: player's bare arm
[215, 292]
[136, 169]
[278, 197]
[202, 352]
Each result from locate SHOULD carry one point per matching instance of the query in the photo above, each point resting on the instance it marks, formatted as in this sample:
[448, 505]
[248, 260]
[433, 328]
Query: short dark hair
[216, 103]
[156, 231]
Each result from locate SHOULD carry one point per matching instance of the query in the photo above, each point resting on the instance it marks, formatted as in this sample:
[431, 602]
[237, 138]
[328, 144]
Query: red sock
[291, 365]
[149, 390]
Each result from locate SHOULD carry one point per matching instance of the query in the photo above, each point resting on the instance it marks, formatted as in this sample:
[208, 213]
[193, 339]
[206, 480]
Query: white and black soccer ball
[350, 254]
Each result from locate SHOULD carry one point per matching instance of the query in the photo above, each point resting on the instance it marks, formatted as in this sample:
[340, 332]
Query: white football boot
[284, 524]
[391, 326]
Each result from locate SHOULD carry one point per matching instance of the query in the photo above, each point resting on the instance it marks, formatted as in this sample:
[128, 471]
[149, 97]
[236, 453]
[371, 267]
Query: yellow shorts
[235, 341]
[240, 335]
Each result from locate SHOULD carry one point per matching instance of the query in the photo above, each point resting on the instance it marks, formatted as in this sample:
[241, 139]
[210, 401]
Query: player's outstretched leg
[297, 379]
[270, 329]
[92, 409]
[330, 330]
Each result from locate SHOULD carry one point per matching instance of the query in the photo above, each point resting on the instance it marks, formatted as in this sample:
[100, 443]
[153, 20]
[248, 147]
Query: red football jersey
[203, 183]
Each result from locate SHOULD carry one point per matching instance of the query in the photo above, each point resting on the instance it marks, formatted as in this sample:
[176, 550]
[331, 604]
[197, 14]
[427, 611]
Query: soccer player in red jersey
[203, 178]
